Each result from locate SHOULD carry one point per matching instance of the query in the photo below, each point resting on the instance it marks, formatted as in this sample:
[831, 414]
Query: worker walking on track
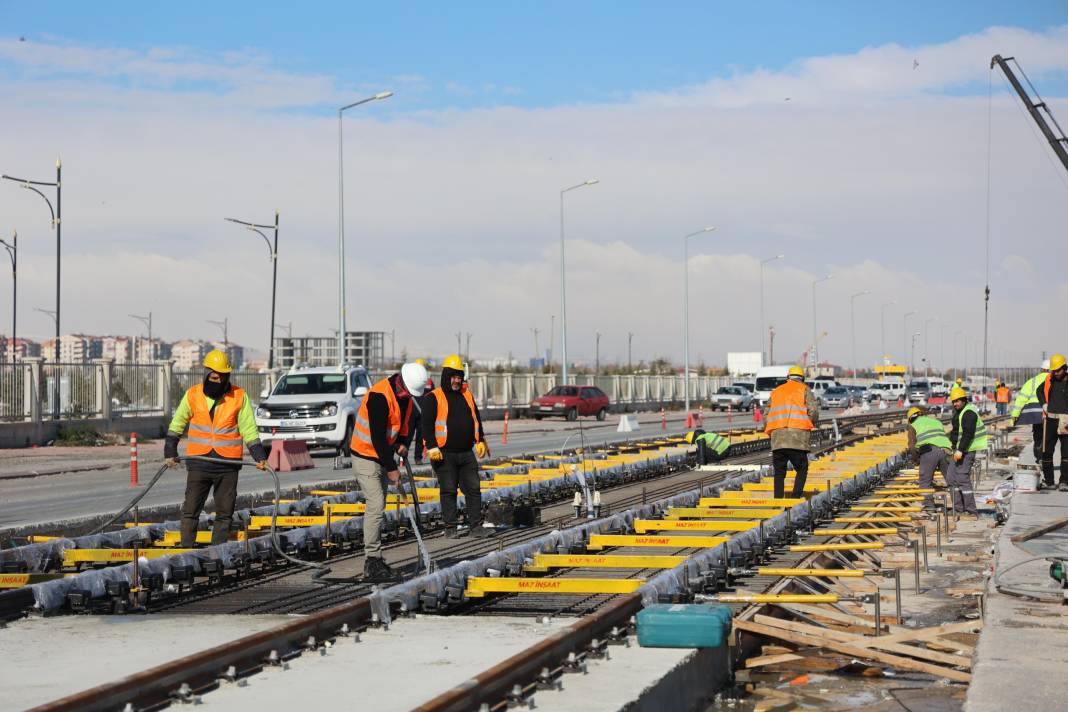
[967, 438]
[1001, 398]
[711, 447]
[379, 434]
[793, 412]
[221, 423]
[1026, 410]
[930, 446]
[451, 427]
[1053, 397]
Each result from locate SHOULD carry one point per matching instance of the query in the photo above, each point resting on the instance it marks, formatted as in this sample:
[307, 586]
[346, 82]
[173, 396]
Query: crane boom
[1038, 109]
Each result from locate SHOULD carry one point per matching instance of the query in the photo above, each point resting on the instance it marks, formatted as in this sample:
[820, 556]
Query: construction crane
[1037, 108]
[803, 359]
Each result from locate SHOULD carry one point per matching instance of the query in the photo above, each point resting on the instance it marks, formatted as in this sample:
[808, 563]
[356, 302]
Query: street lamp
[956, 333]
[912, 358]
[815, 338]
[225, 326]
[534, 330]
[341, 222]
[55, 348]
[57, 224]
[563, 278]
[686, 311]
[630, 361]
[926, 351]
[597, 358]
[13, 253]
[853, 328]
[147, 321]
[905, 333]
[882, 331]
[763, 352]
[272, 253]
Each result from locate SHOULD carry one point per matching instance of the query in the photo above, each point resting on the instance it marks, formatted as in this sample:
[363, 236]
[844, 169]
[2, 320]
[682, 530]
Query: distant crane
[803, 359]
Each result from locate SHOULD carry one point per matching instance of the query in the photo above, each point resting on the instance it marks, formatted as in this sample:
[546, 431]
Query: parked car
[570, 402]
[836, 397]
[733, 397]
[887, 391]
[860, 394]
[820, 386]
[747, 385]
[919, 392]
[316, 405]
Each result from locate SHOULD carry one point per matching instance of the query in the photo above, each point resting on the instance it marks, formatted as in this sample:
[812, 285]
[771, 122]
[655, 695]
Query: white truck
[316, 405]
[768, 379]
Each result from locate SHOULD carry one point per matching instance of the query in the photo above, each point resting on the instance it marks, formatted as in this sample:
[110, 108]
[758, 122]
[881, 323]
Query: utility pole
[225, 326]
[552, 341]
[535, 332]
[272, 253]
[630, 343]
[467, 351]
[13, 253]
[771, 345]
[597, 358]
[458, 349]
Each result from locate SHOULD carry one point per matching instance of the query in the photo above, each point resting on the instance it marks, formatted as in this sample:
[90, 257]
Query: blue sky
[529, 54]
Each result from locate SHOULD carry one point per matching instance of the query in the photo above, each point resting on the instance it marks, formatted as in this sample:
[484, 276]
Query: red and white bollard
[730, 415]
[504, 435]
[701, 414]
[133, 460]
[663, 419]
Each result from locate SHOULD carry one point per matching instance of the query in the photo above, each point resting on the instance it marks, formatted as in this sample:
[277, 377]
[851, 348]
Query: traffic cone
[758, 416]
[663, 419]
[504, 436]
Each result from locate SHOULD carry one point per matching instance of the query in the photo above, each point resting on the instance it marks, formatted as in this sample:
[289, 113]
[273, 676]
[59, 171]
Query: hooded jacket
[461, 427]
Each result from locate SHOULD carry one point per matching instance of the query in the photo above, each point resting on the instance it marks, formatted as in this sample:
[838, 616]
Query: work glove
[481, 450]
[435, 454]
[402, 450]
[171, 462]
[261, 465]
[958, 456]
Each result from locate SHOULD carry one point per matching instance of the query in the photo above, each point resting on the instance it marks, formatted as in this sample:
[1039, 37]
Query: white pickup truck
[316, 405]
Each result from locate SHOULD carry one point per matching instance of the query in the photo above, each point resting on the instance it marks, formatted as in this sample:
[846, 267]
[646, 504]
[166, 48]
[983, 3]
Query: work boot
[483, 532]
[375, 569]
[1062, 487]
[454, 533]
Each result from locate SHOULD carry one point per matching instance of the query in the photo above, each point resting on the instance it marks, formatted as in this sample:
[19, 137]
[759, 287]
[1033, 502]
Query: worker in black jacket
[451, 427]
[967, 438]
[1053, 397]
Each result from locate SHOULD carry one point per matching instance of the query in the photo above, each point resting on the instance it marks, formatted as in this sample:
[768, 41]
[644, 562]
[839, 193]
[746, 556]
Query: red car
[571, 402]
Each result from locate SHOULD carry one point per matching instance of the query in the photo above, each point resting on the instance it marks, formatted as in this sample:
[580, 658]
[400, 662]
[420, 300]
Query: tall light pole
[552, 341]
[13, 253]
[597, 357]
[630, 360]
[341, 221]
[905, 333]
[272, 253]
[225, 326]
[815, 338]
[535, 331]
[686, 311]
[563, 276]
[763, 352]
[57, 225]
[926, 351]
[467, 351]
[956, 333]
[912, 359]
[853, 328]
[882, 330]
[147, 321]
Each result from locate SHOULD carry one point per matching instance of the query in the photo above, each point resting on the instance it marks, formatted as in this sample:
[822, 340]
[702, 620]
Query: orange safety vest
[441, 424]
[220, 433]
[1002, 395]
[787, 408]
[361, 430]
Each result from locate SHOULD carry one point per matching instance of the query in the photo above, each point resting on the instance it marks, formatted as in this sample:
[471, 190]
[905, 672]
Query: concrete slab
[54, 657]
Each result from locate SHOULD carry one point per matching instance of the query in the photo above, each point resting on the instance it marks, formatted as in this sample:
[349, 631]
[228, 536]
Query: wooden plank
[935, 632]
[1039, 530]
[763, 660]
[896, 661]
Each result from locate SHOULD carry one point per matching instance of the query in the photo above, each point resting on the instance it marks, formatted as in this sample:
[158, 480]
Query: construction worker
[793, 412]
[380, 433]
[1026, 410]
[452, 426]
[221, 421]
[1001, 397]
[1053, 397]
[418, 449]
[967, 438]
[930, 446]
[711, 447]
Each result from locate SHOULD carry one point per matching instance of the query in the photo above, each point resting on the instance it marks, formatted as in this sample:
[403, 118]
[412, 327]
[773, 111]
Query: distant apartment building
[362, 348]
[188, 353]
[22, 348]
[116, 348]
[73, 348]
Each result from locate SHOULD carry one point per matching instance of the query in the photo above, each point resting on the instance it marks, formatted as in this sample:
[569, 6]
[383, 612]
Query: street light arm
[583, 184]
[43, 197]
[248, 224]
[380, 95]
[270, 250]
[29, 182]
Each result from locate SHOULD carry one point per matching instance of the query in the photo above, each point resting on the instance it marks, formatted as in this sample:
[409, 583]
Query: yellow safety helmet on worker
[453, 361]
[913, 412]
[795, 371]
[958, 393]
[217, 361]
[1056, 362]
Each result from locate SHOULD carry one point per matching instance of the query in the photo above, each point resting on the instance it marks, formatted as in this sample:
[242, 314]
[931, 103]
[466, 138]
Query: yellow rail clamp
[302, 521]
[347, 508]
[906, 492]
[749, 502]
[41, 538]
[892, 500]
[777, 598]
[872, 520]
[174, 538]
[867, 531]
[742, 494]
[886, 510]
[478, 586]
[326, 493]
[134, 525]
[691, 525]
[825, 573]
[706, 512]
[74, 557]
[770, 487]
[20, 580]
[837, 547]
[544, 562]
[666, 541]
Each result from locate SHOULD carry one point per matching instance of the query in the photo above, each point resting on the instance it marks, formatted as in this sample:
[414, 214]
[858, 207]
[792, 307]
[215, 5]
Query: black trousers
[1036, 435]
[459, 469]
[797, 458]
[1048, 446]
[198, 485]
[706, 455]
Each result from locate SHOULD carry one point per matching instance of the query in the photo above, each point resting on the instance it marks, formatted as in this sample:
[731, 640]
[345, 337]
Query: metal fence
[73, 390]
[252, 382]
[13, 396]
[136, 388]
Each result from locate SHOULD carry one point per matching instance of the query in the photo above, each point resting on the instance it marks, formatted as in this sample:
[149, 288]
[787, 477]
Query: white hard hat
[1045, 365]
[414, 376]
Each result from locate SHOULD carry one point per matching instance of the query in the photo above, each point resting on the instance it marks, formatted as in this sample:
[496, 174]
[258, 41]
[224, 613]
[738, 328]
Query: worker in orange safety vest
[793, 412]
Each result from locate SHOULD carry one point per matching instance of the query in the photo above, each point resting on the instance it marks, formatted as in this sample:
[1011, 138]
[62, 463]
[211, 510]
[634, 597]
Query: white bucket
[1025, 480]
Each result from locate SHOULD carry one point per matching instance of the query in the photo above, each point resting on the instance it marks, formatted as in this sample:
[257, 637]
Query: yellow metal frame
[710, 512]
[296, 521]
[838, 547]
[642, 526]
[665, 541]
[872, 520]
[479, 586]
[823, 573]
[759, 502]
[886, 510]
[866, 531]
[544, 562]
[777, 598]
[74, 557]
[20, 580]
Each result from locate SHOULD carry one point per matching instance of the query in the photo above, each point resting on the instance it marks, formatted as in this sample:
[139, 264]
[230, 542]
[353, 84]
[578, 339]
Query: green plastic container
[683, 625]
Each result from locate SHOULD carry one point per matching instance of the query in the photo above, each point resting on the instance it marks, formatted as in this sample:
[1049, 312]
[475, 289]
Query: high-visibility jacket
[930, 431]
[398, 422]
[441, 420]
[715, 442]
[1026, 409]
[1002, 394]
[219, 432]
[787, 408]
[978, 442]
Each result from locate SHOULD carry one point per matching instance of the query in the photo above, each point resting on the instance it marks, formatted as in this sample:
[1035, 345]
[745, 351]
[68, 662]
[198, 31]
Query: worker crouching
[930, 447]
[711, 447]
[452, 427]
[221, 422]
[793, 412]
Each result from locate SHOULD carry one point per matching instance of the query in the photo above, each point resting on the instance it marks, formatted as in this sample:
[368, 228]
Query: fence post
[163, 389]
[33, 385]
[103, 388]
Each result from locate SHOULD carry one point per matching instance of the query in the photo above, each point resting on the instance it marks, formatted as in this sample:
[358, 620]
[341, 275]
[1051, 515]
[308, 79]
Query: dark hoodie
[461, 428]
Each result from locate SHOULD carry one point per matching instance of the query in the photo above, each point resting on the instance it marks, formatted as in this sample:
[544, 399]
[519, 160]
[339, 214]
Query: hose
[413, 516]
[1029, 592]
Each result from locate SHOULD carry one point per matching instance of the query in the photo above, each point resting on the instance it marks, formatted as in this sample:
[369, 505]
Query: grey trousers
[934, 459]
[960, 478]
[372, 481]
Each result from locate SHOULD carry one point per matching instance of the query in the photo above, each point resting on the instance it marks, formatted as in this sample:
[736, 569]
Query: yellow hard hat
[957, 393]
[796, 371]
[913, 412]
[453, 362]
[421, 362]
[1056, 361]
[959, 380]
[217, 361]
